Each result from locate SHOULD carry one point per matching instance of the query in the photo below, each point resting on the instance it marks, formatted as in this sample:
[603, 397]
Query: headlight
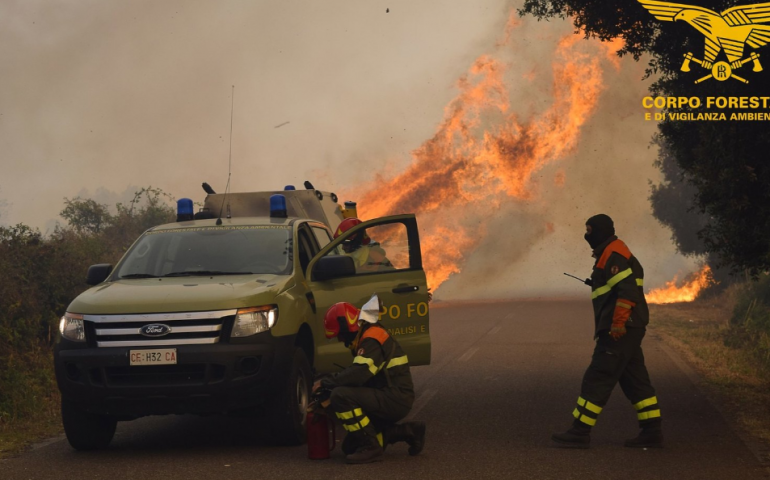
[71, 327]
[250, 321]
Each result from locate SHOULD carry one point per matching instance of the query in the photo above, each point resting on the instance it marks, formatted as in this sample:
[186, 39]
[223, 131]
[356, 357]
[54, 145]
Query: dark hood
[602, 228]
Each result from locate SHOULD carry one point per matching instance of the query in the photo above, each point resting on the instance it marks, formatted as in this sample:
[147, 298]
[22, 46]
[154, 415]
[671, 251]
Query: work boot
[350, 444]
[366, 454]
[649, 437]
[579, 436]
[416, 440]
[413, 433]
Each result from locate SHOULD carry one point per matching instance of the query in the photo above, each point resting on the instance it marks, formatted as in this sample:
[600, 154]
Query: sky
[98, 99]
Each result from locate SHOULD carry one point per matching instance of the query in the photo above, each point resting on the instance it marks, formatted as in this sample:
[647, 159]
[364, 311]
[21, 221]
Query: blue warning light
[278, 206]
[184, 210]
[289, 187]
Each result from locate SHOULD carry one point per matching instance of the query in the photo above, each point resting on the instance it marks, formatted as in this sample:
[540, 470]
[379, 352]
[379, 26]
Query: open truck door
[379, 256]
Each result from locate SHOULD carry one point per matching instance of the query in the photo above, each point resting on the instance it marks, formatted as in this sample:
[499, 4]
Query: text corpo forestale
[708, 102]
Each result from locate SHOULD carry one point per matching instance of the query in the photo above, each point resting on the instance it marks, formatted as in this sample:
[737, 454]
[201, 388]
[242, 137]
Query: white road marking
[467, 355]
[420, 403]
[495, 330]
[509, 316]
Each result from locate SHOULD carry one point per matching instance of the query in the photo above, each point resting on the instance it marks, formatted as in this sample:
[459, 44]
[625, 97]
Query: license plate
[158, 356]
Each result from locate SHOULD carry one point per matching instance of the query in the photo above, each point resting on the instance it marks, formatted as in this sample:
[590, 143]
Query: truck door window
[378, 249]
[305, 247]
[322, 235]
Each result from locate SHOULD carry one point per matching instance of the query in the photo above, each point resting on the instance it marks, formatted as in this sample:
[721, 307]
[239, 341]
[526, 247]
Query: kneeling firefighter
[376, 391]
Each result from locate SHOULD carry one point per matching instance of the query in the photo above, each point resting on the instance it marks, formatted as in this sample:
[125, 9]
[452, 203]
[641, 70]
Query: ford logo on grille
[155, 330]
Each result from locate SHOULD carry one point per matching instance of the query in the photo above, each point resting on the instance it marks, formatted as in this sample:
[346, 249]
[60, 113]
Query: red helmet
[339, 314]
[349, 223]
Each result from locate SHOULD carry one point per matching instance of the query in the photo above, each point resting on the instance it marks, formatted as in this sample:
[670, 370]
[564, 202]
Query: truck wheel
[287, 410]
[86, 431]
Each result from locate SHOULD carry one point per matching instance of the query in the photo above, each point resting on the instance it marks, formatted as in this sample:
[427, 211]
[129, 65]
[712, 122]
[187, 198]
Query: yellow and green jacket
[618, 281]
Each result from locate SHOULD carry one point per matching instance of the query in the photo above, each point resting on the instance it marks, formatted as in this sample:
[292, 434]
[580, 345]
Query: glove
[620, 317]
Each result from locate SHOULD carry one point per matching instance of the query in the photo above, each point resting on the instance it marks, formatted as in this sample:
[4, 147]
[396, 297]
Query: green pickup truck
[224, 315]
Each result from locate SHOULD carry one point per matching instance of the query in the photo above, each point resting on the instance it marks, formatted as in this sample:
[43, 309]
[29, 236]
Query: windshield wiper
[139, 275]
[196, 273]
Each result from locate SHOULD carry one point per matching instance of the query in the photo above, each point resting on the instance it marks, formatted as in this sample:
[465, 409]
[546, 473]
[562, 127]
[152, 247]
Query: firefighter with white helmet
[376, 391]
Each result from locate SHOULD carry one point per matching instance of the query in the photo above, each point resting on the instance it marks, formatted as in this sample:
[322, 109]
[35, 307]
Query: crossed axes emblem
[721, 71]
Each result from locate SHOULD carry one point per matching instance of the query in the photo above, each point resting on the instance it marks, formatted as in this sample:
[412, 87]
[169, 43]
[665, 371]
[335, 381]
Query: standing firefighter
[376, 391]
[621, 315]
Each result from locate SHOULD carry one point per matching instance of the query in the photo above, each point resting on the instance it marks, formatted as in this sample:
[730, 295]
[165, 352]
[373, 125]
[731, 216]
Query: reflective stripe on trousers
[586, 412]
[355, 420]
[647, 409]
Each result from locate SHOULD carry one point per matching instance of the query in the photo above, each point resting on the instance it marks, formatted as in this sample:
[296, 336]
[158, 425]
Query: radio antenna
[229, 159]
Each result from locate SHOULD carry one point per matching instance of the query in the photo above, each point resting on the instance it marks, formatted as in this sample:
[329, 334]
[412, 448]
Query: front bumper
[216, 378]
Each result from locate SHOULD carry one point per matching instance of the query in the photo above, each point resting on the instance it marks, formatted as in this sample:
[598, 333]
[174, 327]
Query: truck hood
[185, 294]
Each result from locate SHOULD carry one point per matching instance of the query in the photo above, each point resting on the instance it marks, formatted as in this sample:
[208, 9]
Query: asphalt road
[504, 377]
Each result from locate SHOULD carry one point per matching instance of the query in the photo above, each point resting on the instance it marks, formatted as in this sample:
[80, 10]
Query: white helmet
[370, 312]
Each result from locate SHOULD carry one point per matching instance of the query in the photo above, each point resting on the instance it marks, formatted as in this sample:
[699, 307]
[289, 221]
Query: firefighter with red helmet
[376, 391]
[368, 256]
[621, 317]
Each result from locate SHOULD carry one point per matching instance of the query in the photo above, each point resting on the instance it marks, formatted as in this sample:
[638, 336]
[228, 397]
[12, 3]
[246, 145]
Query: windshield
[235, 250]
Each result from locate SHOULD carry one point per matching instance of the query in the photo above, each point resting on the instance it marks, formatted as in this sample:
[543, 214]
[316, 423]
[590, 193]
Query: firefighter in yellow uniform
[376, 391]
[368, 256]
[621, 317]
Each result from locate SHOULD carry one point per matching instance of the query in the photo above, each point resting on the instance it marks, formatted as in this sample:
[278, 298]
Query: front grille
[188, 328]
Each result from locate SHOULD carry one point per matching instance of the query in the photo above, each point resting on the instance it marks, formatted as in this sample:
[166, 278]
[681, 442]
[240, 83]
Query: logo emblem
[360, 352]
[614, 269]
[729, 31]
[155, 330]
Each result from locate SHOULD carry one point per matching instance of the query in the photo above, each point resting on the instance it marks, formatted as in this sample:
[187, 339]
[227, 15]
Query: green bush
[750, 323]
[29, 387]
[42, 274]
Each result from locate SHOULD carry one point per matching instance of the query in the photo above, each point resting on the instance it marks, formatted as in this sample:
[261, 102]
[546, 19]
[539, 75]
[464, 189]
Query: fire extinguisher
[318, 426]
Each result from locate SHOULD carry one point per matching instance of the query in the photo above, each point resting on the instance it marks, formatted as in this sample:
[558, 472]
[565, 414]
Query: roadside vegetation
[727, 338]
[41, 275]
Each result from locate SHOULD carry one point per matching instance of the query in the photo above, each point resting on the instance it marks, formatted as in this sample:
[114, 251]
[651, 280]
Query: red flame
[687, 292]
[482, 153]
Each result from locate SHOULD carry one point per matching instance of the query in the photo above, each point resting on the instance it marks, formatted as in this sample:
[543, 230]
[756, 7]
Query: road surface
[504, 376]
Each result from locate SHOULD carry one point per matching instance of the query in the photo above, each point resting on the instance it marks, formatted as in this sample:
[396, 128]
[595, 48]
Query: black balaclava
[345, 334]
[602, 229]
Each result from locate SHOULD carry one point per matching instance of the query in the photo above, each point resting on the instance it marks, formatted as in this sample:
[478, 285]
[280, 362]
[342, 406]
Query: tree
[85, 215]
[721, 164]
[673, 204]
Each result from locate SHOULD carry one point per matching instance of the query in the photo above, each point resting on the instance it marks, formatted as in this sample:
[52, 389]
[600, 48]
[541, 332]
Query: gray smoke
[98, 96]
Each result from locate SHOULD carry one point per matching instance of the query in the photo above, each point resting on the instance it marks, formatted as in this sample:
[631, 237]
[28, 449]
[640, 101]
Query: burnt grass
[730, 357]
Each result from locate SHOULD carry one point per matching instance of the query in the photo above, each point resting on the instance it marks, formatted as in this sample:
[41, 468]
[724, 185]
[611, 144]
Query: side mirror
[333, 266]
[98, 273]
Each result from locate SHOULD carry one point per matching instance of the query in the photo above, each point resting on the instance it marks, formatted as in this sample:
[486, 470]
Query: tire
[86, 431]
[287, 410]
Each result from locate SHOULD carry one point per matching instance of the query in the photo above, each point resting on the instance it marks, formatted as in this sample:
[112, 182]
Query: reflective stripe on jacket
[617, 275]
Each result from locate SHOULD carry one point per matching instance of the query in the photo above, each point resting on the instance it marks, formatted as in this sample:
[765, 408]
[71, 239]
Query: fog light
[249, 365]
[73, 372]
